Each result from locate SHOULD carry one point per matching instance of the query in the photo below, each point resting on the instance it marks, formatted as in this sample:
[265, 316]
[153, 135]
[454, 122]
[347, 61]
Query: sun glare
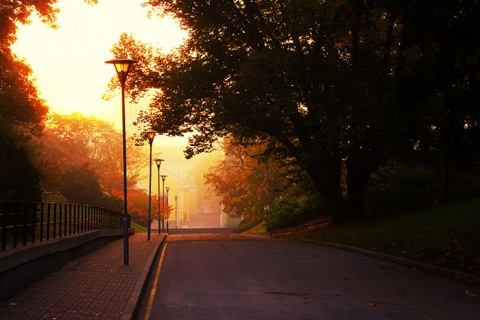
[69, 62]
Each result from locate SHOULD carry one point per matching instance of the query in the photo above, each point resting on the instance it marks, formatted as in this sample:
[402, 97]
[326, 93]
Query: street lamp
[150, 135]
[163, 201]
[122, 66]
[168, 211]
[158, 161]
[176, 211]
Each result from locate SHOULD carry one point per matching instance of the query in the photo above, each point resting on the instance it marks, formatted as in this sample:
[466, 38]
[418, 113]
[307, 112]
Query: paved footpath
[95, 286]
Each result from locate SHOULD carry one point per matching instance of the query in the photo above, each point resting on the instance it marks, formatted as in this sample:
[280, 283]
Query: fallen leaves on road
[310, 300]
[471, 293]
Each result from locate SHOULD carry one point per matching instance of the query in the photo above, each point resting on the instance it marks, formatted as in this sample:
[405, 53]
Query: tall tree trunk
[325, 173]
[364, 156]
[361, 163]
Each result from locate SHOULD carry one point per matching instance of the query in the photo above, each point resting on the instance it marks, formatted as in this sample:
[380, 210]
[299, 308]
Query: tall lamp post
[168, 210]
[176, 212]
[122, 66]
[150, 135]
[163, 201]
[158, 161]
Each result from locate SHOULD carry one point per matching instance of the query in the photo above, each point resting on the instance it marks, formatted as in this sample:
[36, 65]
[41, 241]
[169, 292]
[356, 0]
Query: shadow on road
[200, 230]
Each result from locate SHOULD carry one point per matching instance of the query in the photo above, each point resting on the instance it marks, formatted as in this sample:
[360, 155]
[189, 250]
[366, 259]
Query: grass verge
[138, 228]
[447, 235]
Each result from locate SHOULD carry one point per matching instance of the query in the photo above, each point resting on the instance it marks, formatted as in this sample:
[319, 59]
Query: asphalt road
[226, 276]
[200, 230]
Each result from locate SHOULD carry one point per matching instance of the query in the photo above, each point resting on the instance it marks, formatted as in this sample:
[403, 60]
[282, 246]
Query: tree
[447, 77]
[164, 209]
[14, 13]
[74, 139]
[328, 80]
[138, 206]
[81, 185]
[19, 178]
[22, 112]
[83, 155]
[249, 180]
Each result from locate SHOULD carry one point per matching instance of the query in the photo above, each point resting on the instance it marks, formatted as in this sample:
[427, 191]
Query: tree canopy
[81, 157]
[22, 111]
[336, 83]
[249, 180]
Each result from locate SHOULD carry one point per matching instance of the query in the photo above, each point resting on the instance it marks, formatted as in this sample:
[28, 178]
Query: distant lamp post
[168, 209]
[150, 135]
[122, 66]
[176, 212]
[163, 201]
[158, 161]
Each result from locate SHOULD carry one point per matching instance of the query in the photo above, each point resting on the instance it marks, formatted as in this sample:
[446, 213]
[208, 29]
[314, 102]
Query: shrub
[395, 188]
[245, 225]
[289, 212]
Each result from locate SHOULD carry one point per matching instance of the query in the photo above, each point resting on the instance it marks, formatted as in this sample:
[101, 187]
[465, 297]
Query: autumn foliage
[82, 158]
[250, 181]
[22, 111]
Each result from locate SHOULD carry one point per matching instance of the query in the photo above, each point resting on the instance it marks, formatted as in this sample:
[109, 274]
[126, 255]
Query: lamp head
[158, 161]
[122, 66]
[151, 135]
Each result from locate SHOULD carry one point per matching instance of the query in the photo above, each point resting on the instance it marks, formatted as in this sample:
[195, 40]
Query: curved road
[226, 276]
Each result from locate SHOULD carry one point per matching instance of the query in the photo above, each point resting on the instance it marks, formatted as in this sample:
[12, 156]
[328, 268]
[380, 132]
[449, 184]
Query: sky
[69, 62]
[69, 65]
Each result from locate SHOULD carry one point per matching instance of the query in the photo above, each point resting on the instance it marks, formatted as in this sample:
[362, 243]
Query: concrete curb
[461, 276]
[134, 301]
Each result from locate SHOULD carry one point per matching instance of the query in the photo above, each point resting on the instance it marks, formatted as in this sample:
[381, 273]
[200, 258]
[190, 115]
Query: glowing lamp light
[122, 66]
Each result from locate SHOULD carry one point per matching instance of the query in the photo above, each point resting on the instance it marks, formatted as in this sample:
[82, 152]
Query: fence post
[70, 215]
[65, 222]
[74, 218]
[85, 212]
[4, 226]
[34, 221]
[48, 221]
[15, 224]
[25, 222]
[60, 220]
[87, 218]
[42, 212]
[54, 220]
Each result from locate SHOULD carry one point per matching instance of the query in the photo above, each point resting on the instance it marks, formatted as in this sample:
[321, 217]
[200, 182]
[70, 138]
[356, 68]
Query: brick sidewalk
[95, 286]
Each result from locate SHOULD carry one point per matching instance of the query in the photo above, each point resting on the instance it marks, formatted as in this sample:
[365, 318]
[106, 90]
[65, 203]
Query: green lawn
[138, 228]
[447, 235]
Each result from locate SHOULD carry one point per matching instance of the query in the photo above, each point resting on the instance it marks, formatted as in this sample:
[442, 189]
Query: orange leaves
[248, 179]
[310, 300]
[471, 293]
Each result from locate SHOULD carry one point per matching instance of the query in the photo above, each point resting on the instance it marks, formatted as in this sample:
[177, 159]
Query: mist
[196, 206]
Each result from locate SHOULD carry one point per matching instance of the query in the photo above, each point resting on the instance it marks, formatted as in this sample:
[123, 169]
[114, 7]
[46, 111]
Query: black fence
[23, 223]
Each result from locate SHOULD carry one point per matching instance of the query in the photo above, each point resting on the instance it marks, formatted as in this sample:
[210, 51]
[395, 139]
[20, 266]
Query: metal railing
[23, 223]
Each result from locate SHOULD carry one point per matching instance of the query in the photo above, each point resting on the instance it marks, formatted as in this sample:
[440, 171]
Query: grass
[138, 228]
[447, 235]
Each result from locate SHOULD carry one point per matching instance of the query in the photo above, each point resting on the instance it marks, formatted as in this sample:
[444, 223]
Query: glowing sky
[69, 63]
